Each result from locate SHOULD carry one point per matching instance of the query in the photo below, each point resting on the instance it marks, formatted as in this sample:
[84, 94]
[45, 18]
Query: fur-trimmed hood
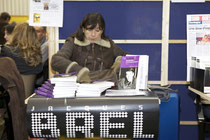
[102, 42]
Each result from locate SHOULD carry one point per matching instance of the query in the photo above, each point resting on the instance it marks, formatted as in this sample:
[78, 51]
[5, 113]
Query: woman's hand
[83, 76]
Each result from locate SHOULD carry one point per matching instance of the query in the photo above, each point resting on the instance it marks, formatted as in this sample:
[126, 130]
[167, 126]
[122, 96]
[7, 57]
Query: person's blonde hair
[24, 38]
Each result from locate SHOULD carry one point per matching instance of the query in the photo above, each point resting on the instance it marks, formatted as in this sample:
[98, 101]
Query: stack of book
[65, 86]
[46, 89]
[93, 89]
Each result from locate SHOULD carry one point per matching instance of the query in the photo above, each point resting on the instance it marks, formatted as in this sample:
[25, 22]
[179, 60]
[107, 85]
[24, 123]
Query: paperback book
[133, 72]
[93, 89]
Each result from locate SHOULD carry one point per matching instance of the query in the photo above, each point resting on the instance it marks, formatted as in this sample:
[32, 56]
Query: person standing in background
[4, 20]
[42, 36]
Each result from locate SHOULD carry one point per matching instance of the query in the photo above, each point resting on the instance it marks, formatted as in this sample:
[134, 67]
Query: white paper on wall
[46, 13]
[198, 39]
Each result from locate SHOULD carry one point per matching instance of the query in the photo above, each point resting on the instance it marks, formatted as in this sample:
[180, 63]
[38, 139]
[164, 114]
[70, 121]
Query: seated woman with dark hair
[89, 52]
[24, 48]
[4, 20]
[8, 29]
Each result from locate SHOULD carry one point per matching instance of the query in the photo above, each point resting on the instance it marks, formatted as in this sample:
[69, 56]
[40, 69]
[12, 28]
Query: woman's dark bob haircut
[90, 21]
[5, 16]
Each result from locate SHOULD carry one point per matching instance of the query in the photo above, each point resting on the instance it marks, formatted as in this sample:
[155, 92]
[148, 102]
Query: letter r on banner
[71, 127]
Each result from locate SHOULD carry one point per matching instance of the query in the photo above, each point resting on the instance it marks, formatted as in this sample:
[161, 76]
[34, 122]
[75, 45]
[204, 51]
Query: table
[160, 120]
[105, 117]
[201, 94]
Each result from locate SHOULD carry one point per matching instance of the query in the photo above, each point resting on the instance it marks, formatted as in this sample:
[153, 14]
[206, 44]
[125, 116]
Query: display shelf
[201, 94]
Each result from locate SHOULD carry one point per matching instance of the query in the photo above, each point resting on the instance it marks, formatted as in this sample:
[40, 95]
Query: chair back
[29, 84]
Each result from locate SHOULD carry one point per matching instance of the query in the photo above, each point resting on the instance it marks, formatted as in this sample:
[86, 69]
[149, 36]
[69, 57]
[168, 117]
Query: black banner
[105, 117]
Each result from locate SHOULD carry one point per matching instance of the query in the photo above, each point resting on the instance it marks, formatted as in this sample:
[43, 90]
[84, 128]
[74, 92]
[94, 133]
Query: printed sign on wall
[198, 41]
[46, 13]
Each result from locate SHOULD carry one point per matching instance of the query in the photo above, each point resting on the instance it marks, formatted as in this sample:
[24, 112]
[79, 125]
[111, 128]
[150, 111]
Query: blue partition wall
[142, 20]
[124, 21]
[178, 63]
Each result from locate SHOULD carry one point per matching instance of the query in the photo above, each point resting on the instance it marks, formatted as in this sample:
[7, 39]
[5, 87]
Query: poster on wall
[46, 13]
[198, 42]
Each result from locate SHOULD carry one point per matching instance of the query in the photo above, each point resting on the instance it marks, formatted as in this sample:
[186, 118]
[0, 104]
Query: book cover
[133, 72]
[128, 72]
